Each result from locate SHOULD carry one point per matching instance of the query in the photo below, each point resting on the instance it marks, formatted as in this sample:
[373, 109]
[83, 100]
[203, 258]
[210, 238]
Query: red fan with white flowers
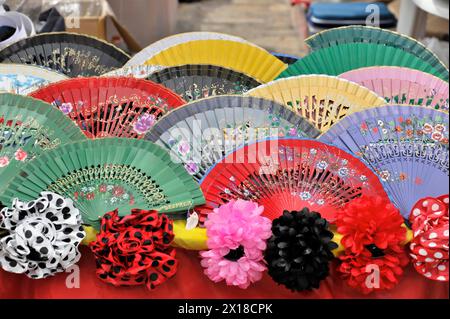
[289, 174]
[111, 107]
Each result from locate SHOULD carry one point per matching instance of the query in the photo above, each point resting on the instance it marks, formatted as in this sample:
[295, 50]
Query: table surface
[190, 282]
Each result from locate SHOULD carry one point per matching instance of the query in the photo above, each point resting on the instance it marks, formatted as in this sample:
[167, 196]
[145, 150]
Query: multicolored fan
[403, 86]
[321, 99]
[341, 58]
[368, 34]
[28, 128]
[406, 145]
[289, 174]
[68, 53]
[241, 57]
[137, 71]
[168, 42]
[105, 174]
[23, 79]
[111, 107]
[194, 82]
[201, 133]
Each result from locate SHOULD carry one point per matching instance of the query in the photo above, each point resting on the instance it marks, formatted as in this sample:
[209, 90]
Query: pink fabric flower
[237, 235]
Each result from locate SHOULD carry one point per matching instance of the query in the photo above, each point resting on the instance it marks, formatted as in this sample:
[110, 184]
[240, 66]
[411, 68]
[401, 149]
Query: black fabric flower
[299, 252]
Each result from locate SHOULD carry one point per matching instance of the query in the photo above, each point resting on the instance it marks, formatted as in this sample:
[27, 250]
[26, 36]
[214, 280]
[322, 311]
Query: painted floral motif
[191, 167]
[23, 139]
[4, 161]
[195, 92]
[110, 194]
[144, 123]
[20, 155]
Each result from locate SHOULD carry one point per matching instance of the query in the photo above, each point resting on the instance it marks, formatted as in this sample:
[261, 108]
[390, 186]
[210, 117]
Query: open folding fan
[368, 34]
[406, 145]
[22, 79]
[28, 128]
[68, 53]
[290, 174]
[403, 86]
[106, 174]
[136, 71]
[107, 107]
[341, 58]
[321, 99]
[200, 133]
[194, 82]
[163, 44]
[238, 56]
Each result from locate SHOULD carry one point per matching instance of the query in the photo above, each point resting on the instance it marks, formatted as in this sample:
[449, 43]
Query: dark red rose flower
[370, 221]
[135, 249]
[367, 273]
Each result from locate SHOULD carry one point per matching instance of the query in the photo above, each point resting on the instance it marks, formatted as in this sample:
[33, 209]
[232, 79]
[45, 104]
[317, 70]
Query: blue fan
[406, 145]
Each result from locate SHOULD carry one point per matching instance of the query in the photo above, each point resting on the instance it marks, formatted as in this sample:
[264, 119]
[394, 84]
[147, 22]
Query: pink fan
[403, 86]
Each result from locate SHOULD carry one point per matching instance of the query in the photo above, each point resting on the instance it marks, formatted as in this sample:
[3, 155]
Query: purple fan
[407, 146]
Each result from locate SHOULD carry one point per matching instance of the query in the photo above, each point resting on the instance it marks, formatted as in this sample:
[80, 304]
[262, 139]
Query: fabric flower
[369, 220]
[43, 236]
[429, 248]
[373, 269]
[135, 249]
[237, 235]
[372, 235]
[299, 251]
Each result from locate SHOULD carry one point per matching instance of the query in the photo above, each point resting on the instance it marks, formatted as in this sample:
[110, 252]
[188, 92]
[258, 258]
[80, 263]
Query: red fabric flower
[135, 249]
[368, 274]
[370, 221]
[429, 248]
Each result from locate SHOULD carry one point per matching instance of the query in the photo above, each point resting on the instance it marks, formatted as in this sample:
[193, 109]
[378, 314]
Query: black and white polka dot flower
[42, 236]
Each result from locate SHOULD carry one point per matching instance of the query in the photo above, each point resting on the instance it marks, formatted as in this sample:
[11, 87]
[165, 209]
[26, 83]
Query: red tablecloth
[191, 283]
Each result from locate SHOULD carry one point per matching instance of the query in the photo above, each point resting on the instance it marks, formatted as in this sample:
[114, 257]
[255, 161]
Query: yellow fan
[321, 99]
[238, 56]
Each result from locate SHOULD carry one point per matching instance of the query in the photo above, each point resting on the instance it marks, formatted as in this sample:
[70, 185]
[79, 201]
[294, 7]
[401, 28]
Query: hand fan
[368, 34]
[406, 145]
[68, 53]
[108, 107]
[321, 99]
[137, 71]
[241, 57]
[23, 79]
[290, 174]
[193, 82]
[168, 42]
[28, 128]
[286, 58]
[200, 133]
[341, 58]
[403, 86]
[105, 174]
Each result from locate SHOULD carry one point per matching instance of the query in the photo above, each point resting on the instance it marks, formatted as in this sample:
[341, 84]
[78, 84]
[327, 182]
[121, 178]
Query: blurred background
[277, 25]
